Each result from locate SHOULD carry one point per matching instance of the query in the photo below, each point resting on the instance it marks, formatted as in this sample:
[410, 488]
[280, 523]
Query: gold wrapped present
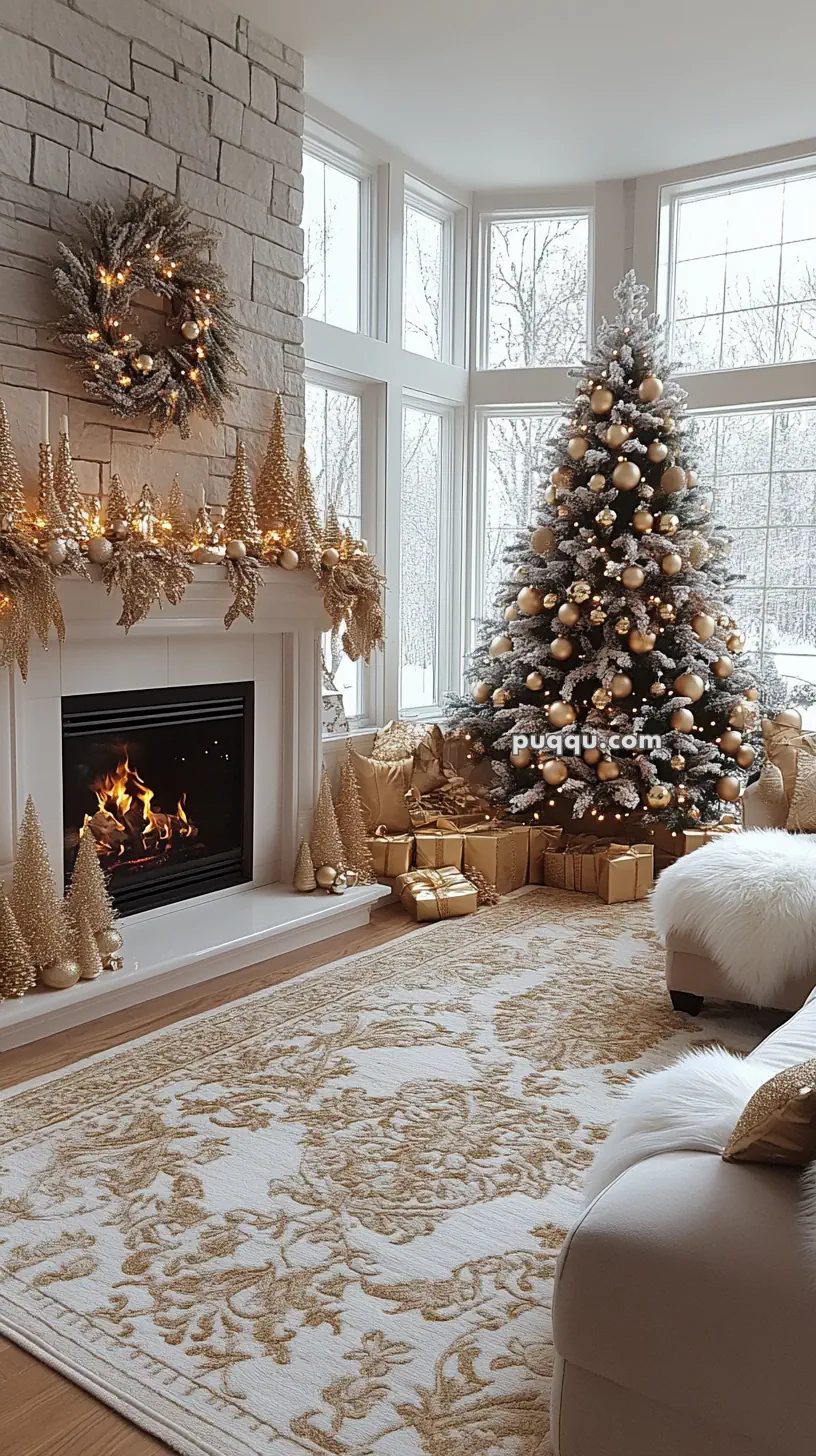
[440, 847]
[683, 841]
[572, 863]
[391, 853]
[543, 837]
[436, 894]
[625, 872]
[498, 851]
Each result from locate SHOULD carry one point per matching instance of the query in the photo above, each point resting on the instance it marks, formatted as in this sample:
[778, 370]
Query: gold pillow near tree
[383, 787]
[802, 814]
[423, 741]
[779, 1123]
[783, 746]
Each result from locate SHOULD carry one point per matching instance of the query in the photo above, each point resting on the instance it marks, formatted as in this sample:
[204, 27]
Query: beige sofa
[684, 1318]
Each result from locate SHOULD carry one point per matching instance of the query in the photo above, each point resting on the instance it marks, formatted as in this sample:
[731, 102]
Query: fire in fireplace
[162, 779]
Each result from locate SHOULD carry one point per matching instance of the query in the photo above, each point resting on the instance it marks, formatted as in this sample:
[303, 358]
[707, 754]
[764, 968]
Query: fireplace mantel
[179, 646]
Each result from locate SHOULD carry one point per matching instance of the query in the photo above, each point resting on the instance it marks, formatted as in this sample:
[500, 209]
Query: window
[514, 453]
[761, 467]
[536, 270]
[424, 282]
[333, 207]
[421, 499]
[741, 263]
[333, 445]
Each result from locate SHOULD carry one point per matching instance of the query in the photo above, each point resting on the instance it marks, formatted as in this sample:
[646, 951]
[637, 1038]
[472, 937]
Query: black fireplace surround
[162, 778]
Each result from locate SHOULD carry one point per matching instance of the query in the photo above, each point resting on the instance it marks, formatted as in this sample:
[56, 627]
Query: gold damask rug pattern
[325, 1219]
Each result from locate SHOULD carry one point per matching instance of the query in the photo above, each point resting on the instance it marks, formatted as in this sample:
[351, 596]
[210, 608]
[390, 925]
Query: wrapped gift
[572, 864]
[436, 894]
[625, 872]
[439, 847]
[683, 841]
[543, 837]
[391, 853]
[499, 852]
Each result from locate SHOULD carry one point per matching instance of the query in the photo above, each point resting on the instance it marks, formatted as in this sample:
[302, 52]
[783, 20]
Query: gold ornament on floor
[534, 681]
[671, 563]
[303, 879]
[555, 772]
[351, 823]
[561, 648]
[481, 692]
[325, 877]
[542, 540]
[658, 796]
[326, 842]
[633, 577]
[109, 944]
[37, 905]
[607, 770]
[550, 495]
[601, 400]
[17, 974]
[641, 641]
[621, 685]
[650, 388]
[577, 447]
[530, 601]
[616, 435]
[601, 698]
[689, 685]
[626, 475]
[561, 714]
[729, 788]
[682, 720]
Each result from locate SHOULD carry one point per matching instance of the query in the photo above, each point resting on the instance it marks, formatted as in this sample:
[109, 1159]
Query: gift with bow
[436, 894]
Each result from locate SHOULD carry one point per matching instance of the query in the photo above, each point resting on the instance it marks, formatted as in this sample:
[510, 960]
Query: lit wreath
[151, 245]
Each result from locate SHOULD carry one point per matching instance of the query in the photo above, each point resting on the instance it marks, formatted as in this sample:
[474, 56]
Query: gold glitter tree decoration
[118, 509]
[37, 905]
[326, 843]
[303, 879]
[306, 536]
[332, 530]
[241, 520]
[180, 532]
[87, 951]
[66, 488]
[357, 855]
[275, 495]
[12, 497]
[17, 974]
[242, 538]
[89, 901]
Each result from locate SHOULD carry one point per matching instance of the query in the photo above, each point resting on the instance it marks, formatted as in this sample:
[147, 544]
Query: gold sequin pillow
[802, 814]
[383, 787]
[422, 741]
[784, 744]
[779, 1123]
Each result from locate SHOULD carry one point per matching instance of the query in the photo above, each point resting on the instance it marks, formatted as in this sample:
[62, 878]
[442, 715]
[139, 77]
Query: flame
[126, 822]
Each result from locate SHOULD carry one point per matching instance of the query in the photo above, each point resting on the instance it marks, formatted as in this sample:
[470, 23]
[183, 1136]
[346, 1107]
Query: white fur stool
[738, 921]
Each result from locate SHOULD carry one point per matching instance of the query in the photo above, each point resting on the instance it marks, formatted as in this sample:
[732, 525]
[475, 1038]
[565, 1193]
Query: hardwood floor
[43, 1414]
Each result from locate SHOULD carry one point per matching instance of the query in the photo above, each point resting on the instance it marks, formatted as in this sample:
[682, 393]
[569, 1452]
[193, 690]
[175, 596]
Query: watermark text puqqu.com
[575, 743]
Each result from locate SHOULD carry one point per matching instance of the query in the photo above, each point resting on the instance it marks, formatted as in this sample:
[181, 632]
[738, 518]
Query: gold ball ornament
[745, 755]
[530, 601]
[144, 363]
[668, 425]
[699, 551]
[601, 698]
[543, 540]
[791, 717]
[736, 717]
[658, 796]
[658, 689]
[561, 714]
[606, 518]
[665, 611]
[56, 551]
[703, 626]
[729, 788]
[650, 388]
[621, 685]
[643, 520]
[693, 813]
[633, 577]
[481, 692]
[677, 762]
[500, 645]
[236, 550]
[597, 483]
[682, 720]
[626, 475]
[735, 642]
[730, 741]
[577, 447]
[109, 943]
[550, 495]
[289, 559]
[117, 530]
[550, 600]
[100, 550]
[597, 616]
[522, 759]
[622, 626]
[500, 698]
[330, 557]
[569, 613]
[592, 755]
[555, 771]
[723, 667]
[607, 770]
[671, 563]
[511, 613]
[190, 330]
[668, 523]
[689, 685]
[601, 400]
[657, 452]
[60, 974]
[641, 641]
[673, 480]
[561, 648]
[326, 876]
[534, 681]
[752, 694]
[616, 436]
[561, 477]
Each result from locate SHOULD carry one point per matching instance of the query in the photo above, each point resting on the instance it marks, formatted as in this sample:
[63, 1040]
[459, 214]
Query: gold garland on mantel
[148, 548]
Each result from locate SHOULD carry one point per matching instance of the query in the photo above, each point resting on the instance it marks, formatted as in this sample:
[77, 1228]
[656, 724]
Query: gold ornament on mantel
[17, 974]
[304, 877]
[37, 906]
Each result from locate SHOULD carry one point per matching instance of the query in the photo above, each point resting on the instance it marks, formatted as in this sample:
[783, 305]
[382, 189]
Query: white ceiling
[525, 93]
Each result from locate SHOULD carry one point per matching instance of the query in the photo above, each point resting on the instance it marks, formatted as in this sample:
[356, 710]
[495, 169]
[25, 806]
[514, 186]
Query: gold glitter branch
[28, 601]
[244, 578]
[352, 595]
[144, 572]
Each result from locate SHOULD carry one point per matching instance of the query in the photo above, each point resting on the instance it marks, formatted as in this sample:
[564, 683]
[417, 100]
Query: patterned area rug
[325, 1219]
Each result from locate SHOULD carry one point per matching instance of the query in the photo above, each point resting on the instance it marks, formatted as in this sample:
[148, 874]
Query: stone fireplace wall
[97, 99]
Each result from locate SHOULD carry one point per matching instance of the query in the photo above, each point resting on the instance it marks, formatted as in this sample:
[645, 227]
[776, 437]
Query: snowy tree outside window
[331, 225]
[333, 448]
[420, 533]
[537, 273]
[760, 466]
[743, 275]
[515, 464]
[422, 283]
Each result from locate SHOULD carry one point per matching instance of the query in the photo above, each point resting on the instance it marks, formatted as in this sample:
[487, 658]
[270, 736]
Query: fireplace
[162, 779]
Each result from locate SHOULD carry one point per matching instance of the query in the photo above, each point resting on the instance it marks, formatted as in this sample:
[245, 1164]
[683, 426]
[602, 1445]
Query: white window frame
[427, 200]
[335, 151]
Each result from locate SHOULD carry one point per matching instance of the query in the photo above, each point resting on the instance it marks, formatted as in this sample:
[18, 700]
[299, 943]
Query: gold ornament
[561, 648]
[622, 626]
[621, 685]
[144, 363]
[109, 944]
[330, 557]
[681, 794]
[555, 771]
[530, 601]
[500, 698]
[577, 447]
[597, 616]
[56, 551]
[601, 698]
[673, 480]
[340, 883]
[37, 905]
[601, 400]
[569, 613]
[668, 523]
[736, 717]
[616, 435]
[564, 512]
[550, 495]
[87, 951]
[723, 667]
[326, 844]
[689, 685]
[580, 591]
[60, 974]
[729, 788]
[511, 613]
[650, 388]
[481, 692]
[671, 563]
[735, 642]
[500, 645]
[703, 626]
[561, 714]
[236, 550]
[100, 550]
[352, 826]
[597, 483]
[682, 720]
[606, 518]
[752, 694]
[626, 475]
[693, 813]
[745, 755]
[791, 717]
[607, 770]
[691, 479]
[677, 762]
[591, 755]
[542, 540]
[657, 452]
[561, 478]
[325, 876]
[643, 520]
[658, 689]
[730, 741]
[658, 796]
[17, 974]
[665, 612]
[521, 759]
[190, 330]
[633, 577]
[550, 600]
[641, 641]
[534, 681]
[289, 559]
[303, 879]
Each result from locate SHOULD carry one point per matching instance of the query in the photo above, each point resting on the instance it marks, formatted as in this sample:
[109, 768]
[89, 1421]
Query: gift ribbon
[440, 881]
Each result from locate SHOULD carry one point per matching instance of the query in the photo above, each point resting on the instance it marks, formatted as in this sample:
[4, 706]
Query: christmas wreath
[152, 245]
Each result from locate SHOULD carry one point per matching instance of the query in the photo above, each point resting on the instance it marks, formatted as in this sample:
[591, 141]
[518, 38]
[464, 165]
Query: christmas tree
[17, 975]
[306, 533]
[350, 820]
[88, 896]
[37, 905]
[275, 495]
[614, 621]
[241, 521]
[67, 489]
[12, 499]
[87, 951]
[326, 844]
[180, 532]
[51, 517]
[304, 876]
[117, 506]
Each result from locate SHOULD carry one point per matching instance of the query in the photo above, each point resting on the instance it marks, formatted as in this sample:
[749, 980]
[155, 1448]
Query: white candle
[63, 424]
[203, 496]
[44, 416]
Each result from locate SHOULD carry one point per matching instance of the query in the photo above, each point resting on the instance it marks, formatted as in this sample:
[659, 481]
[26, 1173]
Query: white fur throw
[750, 901]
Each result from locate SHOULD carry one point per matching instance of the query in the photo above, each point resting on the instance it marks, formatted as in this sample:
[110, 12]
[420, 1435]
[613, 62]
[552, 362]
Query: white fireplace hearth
[185, 943]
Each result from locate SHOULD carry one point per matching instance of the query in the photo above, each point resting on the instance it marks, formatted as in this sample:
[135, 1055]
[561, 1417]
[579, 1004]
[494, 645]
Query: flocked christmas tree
[614, 619]
[17, 974]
